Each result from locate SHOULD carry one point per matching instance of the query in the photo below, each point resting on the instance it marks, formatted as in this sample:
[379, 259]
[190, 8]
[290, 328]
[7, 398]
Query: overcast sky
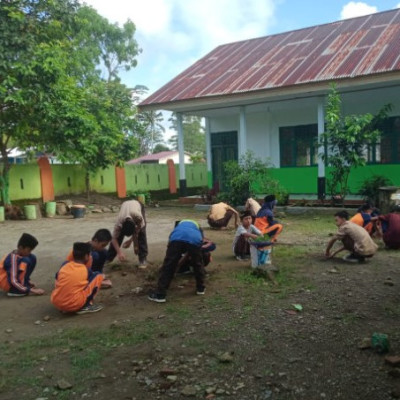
[173, 34]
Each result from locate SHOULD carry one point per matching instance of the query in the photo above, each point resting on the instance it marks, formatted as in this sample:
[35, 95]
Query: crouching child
[17, 267]
[76, 285]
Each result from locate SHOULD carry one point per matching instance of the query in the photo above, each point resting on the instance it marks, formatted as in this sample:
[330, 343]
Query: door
[224, 147]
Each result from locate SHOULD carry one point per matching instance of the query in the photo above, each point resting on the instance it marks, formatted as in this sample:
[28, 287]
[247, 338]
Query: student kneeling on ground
[76, 285]
[389, 227]
[131, 222]
[187, 237]
[354, 238]
[241, 245]
[98, 254]
[17, 267]
[220, 214]
[265, 219]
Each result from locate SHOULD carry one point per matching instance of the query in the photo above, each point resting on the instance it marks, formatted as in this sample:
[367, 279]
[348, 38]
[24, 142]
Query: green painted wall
[68, 179]
[146, 177]
[304, 179]
[25, 182]
[104, 181]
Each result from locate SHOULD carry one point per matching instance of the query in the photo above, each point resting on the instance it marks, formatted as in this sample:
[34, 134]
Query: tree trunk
[87, 183]
[5, 177]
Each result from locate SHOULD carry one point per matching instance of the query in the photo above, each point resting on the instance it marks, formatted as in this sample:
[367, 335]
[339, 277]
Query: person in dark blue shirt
[187, 237]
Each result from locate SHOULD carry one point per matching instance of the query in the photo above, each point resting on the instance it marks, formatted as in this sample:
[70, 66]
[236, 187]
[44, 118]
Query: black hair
[102, 235]
[269, 198]
[366, 207]
[245, 214]
[342, 214]
[128, 227]
[27, 240]
[80, 250]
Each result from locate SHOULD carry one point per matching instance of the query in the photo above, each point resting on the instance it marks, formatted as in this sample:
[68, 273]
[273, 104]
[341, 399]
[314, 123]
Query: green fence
[25, 182]
[70, 179]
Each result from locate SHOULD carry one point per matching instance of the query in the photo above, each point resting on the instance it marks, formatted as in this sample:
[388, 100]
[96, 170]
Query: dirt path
[274, 353]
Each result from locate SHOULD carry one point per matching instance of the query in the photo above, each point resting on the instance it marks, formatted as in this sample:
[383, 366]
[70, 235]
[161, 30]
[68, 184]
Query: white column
[181, 149]
[321, 184]
[242, 131]
[208, 152]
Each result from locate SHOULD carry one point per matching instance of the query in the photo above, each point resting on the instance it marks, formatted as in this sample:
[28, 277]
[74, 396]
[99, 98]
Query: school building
[268, 95]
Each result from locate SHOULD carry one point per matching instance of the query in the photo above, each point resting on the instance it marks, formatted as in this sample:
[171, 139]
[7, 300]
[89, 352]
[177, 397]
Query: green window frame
[298, 145]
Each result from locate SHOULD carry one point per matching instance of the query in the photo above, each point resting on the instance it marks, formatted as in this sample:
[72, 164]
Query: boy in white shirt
[241, 246]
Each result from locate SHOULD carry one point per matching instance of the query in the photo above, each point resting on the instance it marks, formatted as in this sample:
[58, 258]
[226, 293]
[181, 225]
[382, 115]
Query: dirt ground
[241, 340]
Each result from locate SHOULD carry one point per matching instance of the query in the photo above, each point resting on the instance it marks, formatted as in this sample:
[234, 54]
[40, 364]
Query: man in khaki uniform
[220, 215]
[253, 206]
[354, 238]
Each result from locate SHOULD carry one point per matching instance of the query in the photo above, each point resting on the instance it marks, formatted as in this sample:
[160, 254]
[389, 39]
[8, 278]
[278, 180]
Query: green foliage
[346, 139]
[250, 176]
[159, 147]
[193, 135]
[53, 97]
[370, 187]
[151, 134]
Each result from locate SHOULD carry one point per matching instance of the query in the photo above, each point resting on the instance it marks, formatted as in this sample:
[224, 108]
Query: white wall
[263, 125]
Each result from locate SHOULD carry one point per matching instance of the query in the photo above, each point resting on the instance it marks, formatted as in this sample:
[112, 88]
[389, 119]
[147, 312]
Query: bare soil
[272, 352]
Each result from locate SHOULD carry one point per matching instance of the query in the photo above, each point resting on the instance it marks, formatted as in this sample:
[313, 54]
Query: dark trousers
[25, 277]
[242, 247]
[99, 259]
[221, 223]
[142, 242]
[175, 250]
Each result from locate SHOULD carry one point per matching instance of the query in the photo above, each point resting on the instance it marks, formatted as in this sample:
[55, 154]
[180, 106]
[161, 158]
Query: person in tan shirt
[220, 215]
[253, 206]
[131, 223]
[354, 238]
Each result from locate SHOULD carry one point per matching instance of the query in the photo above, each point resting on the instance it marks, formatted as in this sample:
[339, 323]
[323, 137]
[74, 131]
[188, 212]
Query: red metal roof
[344, 49]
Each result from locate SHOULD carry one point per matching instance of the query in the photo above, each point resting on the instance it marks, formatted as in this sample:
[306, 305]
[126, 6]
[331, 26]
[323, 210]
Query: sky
[173, 34]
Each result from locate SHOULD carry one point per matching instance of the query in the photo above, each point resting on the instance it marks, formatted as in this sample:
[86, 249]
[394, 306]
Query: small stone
[172, 378]
[365, 344]
[211, 389]
[394, 361]
[220, 391]
[9, 330]
[226, 357]
[97, 211]
[124, 273]
[394, 373]
[388, 282]
[63, 384]
[38, 322]
[106, 210]
[167, 371]
[137, 290]
[46, 318]
[282, 374]
[189, 391]
[333, 271]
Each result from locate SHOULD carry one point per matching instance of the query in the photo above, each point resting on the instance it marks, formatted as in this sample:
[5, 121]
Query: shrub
[370, 187]
[247, 177]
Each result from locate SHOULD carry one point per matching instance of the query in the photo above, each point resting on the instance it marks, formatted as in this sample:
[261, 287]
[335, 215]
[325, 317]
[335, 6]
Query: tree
[250, 176]
[346, 138]
[52, 94]
[193, 135]
[153, 130]
[159, 147]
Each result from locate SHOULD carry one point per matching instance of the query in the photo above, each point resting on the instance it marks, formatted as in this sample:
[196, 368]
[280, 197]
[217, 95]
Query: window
[387, 149]
[298, 145]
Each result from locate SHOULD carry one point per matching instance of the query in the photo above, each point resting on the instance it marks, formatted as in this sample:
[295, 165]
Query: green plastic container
[2, 214]
[50, 208]
[380, 342]
[141, 198]
[30, 212]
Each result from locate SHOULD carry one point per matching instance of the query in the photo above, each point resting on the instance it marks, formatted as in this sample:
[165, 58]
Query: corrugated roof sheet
[153, 157]
[344, 49]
